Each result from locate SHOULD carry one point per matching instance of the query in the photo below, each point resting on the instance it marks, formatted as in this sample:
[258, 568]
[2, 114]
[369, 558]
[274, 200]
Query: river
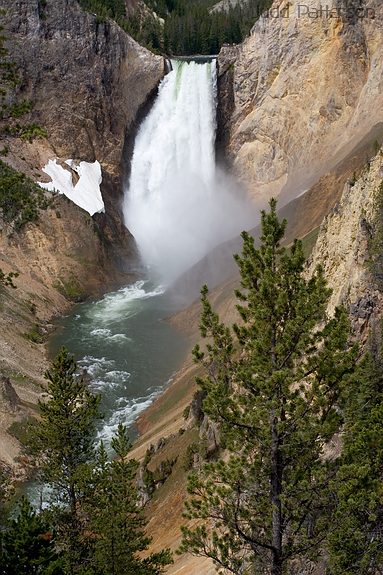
[127, 347]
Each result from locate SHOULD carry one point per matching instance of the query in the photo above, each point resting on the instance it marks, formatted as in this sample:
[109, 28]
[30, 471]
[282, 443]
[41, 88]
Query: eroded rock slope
[307, 88]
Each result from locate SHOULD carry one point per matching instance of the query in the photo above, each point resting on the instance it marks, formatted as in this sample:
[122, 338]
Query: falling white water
[177, 206]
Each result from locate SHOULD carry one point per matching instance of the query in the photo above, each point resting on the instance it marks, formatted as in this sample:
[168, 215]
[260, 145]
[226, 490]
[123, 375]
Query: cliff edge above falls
[88, 82]
[302, 92]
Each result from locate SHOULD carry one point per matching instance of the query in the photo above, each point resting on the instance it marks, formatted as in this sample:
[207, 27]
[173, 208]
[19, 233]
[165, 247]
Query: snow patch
[86, 193]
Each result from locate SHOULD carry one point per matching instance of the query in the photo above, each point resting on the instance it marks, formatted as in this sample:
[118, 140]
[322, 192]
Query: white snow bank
[86, 193]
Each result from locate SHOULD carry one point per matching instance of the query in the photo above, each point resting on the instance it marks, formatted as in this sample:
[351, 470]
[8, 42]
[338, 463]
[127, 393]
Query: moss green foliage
[26, 132]
[196, 448]
[63, 444]
[16, 110]
[27, 545]
[70, 288]
[20, 198]
[189, 25]
[191, 450]
[186, 412]
[164, 470]
[309, 241]
[20, 429]
[275, 385]
[157, 477]
[35, 335]
[116, 517]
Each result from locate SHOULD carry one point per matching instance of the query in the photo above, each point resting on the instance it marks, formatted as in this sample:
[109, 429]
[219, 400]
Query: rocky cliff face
[349, 248]
[87, 80]
[307, 89]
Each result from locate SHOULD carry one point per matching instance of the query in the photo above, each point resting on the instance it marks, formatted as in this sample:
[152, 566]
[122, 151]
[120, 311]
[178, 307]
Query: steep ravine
[296, 98]
[87, 81]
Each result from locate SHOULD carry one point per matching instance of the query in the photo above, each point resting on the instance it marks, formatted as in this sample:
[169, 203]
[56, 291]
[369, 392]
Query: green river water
[128, 348]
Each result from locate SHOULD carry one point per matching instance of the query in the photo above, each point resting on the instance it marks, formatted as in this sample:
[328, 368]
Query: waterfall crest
[177, 205]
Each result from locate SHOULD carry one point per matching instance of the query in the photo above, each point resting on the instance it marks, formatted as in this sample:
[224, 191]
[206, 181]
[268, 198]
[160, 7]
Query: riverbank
[59, 261]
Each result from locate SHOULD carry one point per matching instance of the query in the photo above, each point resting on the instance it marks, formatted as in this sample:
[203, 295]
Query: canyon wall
[87, 80]
[88, 83]
[350, 250]
[306, 90]
[301, 117]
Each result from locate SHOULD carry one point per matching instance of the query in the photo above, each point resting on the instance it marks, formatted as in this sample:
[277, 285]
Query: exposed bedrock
[301, 93]
[87, 80]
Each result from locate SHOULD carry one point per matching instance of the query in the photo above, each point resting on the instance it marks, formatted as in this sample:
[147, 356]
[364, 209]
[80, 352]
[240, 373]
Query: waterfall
[177, 205]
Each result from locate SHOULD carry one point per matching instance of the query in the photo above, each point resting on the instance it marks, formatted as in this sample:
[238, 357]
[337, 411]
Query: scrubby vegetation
[26, 132]
[20, 198]
[13, 107]
[70, 288]
[35, 334]
[6, 280]
[182, 27]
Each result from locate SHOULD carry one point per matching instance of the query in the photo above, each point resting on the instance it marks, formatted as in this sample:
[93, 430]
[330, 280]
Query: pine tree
[27, 544]
[63, 442]
[356, 540]
[117, 522]
[272, 383]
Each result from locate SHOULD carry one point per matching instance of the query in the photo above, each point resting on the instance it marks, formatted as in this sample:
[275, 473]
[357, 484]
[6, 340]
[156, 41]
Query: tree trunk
[276, 489]
[276, 469]
[73, 501]
[73, 529]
